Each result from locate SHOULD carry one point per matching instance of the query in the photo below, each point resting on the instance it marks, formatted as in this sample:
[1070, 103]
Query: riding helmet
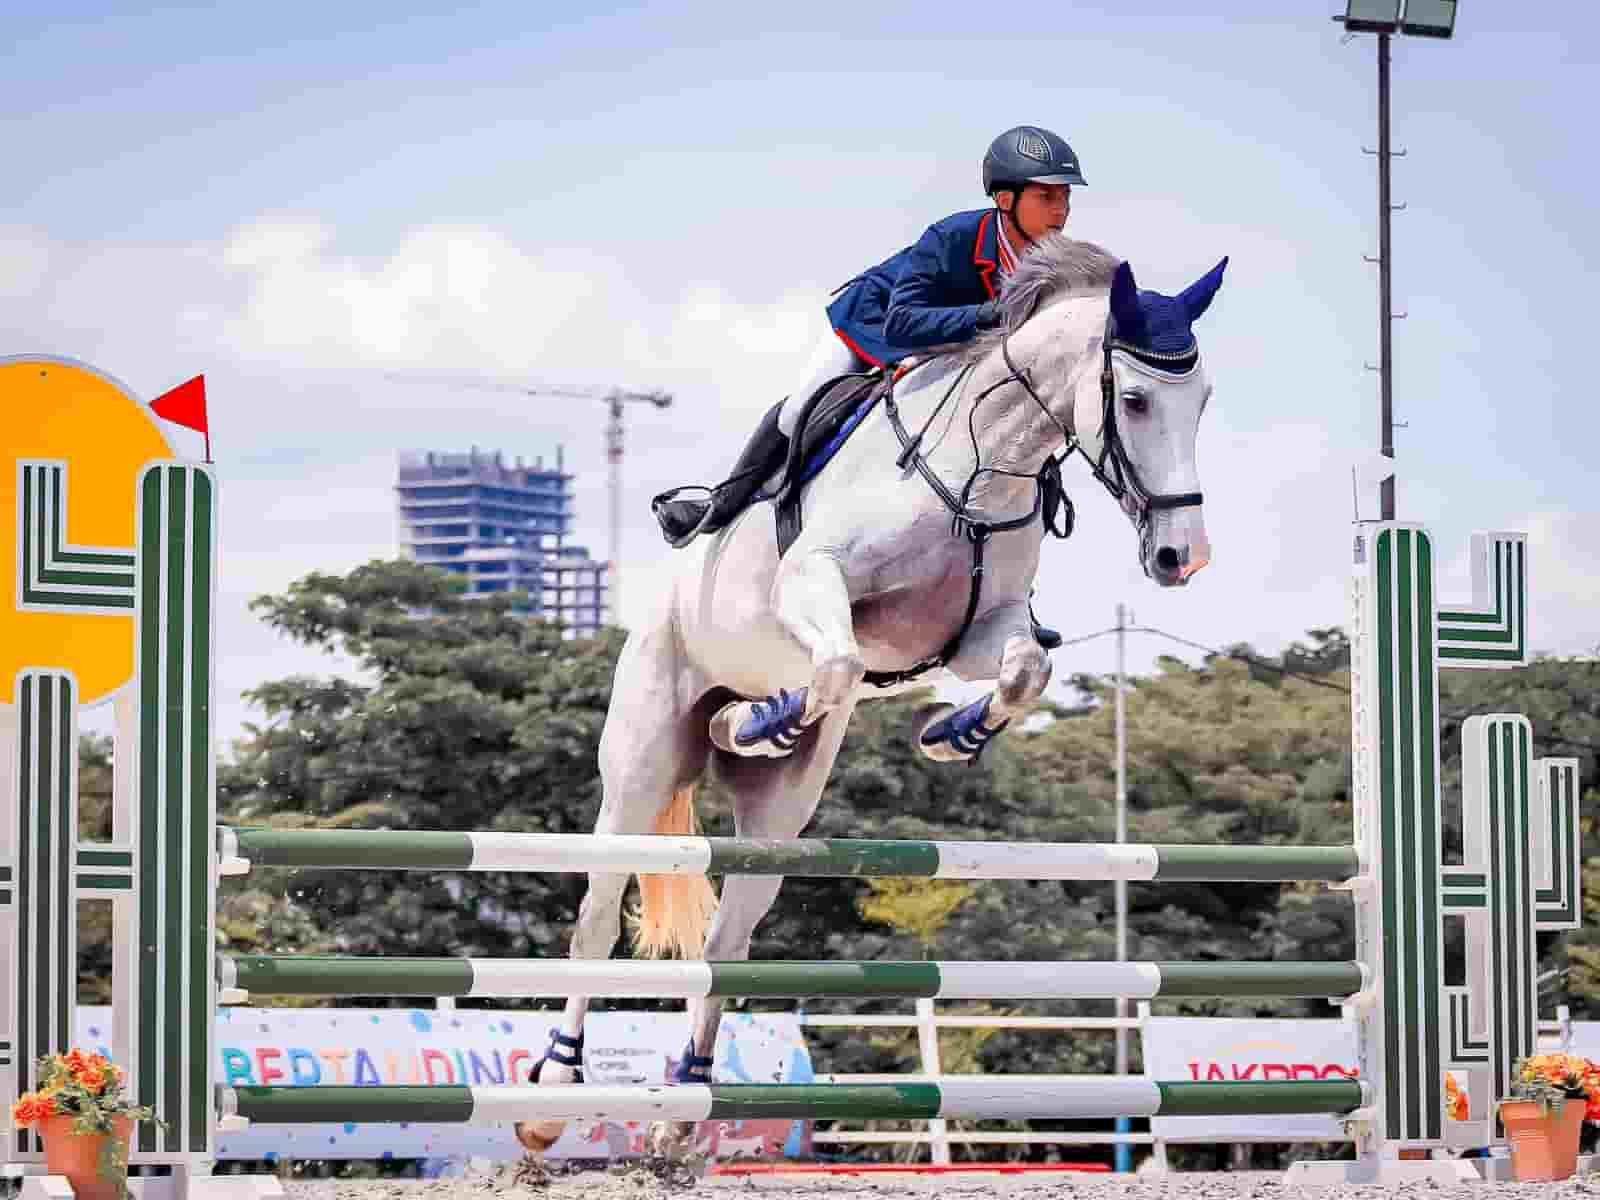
[1028, 154]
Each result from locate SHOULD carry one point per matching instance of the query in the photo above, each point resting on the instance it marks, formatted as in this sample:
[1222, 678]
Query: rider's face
[1041, 208]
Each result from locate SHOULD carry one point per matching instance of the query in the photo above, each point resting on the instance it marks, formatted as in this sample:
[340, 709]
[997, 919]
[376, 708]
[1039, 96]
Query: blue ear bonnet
[1161, 326]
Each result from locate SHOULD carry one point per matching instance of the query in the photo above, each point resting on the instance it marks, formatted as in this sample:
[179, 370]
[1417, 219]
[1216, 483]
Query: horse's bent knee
[1024, 674]
[834, 682]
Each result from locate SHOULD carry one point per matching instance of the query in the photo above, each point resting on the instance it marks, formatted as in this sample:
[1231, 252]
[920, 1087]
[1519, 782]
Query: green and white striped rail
[240, 849]
[1061, 1097]
[311, 975]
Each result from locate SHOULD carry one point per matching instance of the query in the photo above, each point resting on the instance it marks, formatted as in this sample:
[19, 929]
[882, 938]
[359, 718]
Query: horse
[915, 560]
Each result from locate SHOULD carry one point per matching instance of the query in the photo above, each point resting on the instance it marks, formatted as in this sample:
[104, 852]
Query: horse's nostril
[1168, 559]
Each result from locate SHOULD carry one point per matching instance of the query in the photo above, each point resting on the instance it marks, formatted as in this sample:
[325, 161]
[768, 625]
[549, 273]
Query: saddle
[833, 413]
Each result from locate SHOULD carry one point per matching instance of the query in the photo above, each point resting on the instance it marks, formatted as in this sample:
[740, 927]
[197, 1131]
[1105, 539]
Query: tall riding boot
[683, 519]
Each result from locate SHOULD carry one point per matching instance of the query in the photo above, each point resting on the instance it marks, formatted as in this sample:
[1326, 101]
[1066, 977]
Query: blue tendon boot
[564, 1051]
[958, 734]
[693, 1068]
[767, 728]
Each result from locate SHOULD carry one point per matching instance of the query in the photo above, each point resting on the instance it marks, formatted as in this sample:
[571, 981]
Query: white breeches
[831, 358]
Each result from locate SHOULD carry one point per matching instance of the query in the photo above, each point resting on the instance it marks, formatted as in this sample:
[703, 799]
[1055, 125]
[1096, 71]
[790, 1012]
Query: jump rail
[241, 978]
[242, 848]
[1064, 1097]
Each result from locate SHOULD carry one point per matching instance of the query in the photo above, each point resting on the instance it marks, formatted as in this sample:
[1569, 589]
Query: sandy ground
[598, 1185]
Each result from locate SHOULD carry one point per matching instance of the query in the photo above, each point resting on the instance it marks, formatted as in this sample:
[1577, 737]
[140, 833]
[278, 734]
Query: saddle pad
[831, 416]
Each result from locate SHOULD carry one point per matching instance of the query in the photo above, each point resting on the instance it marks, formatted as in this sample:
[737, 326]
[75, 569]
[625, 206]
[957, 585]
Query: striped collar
[1008, 254]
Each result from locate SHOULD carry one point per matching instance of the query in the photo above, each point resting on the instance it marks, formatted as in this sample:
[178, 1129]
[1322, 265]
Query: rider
[940, 291]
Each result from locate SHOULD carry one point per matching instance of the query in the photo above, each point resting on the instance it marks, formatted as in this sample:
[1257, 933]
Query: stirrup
[1047, 638]
[667, 497]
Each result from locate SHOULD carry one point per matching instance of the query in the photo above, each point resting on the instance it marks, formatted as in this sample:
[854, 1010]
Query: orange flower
[1455, 1100]
[32, 1109]
[93, 1078]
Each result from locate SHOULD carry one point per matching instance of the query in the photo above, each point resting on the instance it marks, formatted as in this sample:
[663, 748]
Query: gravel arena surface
[601, 1185]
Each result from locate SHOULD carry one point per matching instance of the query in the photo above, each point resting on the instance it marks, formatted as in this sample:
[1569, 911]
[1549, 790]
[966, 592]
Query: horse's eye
[1138, 403]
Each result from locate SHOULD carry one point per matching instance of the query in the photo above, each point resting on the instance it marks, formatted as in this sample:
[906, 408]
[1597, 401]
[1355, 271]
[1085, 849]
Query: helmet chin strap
[1016, 198]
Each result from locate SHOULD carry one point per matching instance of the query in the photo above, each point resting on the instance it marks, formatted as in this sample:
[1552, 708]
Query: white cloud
[444, 295]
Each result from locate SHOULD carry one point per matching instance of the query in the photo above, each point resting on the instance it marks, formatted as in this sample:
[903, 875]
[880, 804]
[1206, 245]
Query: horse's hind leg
[651, 751]
[812, 601]
[770, 800]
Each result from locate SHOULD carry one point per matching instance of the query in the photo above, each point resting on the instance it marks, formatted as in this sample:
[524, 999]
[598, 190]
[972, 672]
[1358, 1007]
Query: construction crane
[614, 399]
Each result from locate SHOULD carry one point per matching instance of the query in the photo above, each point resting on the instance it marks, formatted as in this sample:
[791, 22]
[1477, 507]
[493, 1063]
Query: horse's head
[1136, 414]
[1117, 371]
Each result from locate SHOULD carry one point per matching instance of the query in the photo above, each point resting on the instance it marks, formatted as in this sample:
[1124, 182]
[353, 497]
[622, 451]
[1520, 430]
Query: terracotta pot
[1568, 1128]
[81, 1157]
[1535, 1138]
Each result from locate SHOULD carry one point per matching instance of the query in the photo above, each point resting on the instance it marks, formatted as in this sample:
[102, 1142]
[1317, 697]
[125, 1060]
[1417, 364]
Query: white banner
[304, 1047]
[1210, 1049]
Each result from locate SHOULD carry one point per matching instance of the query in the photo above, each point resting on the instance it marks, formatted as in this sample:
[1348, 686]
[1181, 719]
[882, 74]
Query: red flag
[186, 405]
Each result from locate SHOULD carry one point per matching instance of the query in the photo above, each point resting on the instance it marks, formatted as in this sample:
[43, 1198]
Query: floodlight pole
[1385, 305]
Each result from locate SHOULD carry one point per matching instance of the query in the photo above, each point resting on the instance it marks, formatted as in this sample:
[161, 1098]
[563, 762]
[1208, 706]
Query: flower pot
[1568, 1128]
[96, 1164]
[1535, 1138]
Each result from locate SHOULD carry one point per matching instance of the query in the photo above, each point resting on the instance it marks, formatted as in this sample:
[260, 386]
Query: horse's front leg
[1003, 635]
[812, 601]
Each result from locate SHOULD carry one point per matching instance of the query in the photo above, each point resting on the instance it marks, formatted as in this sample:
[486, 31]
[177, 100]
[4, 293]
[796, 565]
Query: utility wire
[1212, 650]
[1241, 656]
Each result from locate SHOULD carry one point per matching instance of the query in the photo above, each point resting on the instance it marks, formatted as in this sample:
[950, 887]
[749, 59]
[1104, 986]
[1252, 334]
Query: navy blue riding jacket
[926, 295]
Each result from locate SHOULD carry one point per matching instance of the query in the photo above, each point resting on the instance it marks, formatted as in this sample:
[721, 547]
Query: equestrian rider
[938, 292]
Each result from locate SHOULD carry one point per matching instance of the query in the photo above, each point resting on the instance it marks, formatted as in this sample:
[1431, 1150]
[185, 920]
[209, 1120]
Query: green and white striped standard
[240, 849]
[310, 975]
[1065, 1097]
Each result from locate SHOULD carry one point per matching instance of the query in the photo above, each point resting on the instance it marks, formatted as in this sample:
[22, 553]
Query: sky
[326, 208]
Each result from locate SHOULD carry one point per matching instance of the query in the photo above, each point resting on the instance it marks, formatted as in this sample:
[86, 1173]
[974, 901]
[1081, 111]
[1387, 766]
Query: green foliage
[469, 717]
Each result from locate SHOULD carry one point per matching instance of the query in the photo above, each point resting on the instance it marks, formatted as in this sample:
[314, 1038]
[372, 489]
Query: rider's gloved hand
[989, 314]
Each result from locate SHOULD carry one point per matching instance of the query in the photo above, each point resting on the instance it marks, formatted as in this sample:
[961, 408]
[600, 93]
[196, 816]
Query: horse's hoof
[952, 734]
[767, 728]
[538, 1136]
[563, 1062]
[672, 1143]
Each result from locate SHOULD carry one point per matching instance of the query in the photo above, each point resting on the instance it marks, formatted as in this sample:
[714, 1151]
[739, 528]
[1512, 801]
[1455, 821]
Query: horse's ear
[1197, 297]
[1125, 308]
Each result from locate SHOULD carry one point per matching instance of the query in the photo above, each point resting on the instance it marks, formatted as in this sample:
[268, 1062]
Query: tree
[470, 716]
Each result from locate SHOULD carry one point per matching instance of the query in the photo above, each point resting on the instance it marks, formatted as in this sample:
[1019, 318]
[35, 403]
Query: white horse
[918, 549]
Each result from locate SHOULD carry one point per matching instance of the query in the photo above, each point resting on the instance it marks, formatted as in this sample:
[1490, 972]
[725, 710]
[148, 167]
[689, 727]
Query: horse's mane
[1055, 266]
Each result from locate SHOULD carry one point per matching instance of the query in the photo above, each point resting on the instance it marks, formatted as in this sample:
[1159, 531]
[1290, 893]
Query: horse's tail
[674, 910]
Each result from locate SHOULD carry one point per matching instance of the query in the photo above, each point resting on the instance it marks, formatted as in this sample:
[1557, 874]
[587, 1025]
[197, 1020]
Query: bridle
[1113, 468]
